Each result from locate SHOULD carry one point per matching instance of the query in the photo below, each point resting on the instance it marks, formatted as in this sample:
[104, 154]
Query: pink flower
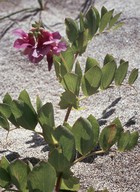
[39, 43]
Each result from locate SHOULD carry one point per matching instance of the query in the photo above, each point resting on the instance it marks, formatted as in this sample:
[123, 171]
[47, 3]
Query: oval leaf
[70, 184]
[59, 162]
[93, 76]
[133, 76]
[4, 123]
[19, 172]
[90, 62]
[95, 128]
[133, 140]
[24, 115]
[83, 134]
[108, 72]
[114, 20]
[123, 141]
[71, 29]
[105, 20]
[66, 141]
[108, 137]
[121, 73]
[71, 83]
[4, 175]
[42, 178]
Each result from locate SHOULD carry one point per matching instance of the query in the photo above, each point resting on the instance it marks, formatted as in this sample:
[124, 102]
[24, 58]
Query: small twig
[14, 13]
[88, 155]
[5, 30]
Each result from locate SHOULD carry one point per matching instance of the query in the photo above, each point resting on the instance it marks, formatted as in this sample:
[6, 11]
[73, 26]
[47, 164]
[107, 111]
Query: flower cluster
[39, 43]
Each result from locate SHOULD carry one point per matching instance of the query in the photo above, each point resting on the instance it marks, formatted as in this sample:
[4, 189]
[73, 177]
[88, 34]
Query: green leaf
[64, 63]
[97, 18]
[42, 178]
[4, 123]
[71, 29]
[105, 20]
[93, 76]
[133, 140]
[108, 72]
[103, 11]
[66, 141]
[81, 18]
[71, 82]
[83, 134]
[38, 103]
[24, 96]
[118, 25]
[67, 59]
[95, 128]
[91, 80]
[46, 115]
[5, 110]
[24, 115]
[46, 120]
[78, 70]
[68, 99]
[92, 21]
[133, 76]
[120, 73]
[119, 127]
[60, 163]
[108, 137]
[108, 58]
[4, 175]
[114, 20]
[4, 163]
[122, 61]
[7, 99]
[86, 88]
[90, 62]
[48, 134]
[82, 42]
[19, 172]
[123, 141]
[70, 184]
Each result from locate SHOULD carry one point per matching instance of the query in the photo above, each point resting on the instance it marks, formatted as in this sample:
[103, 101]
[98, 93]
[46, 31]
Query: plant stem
[88, 155]
[67, 114]
[58, 184]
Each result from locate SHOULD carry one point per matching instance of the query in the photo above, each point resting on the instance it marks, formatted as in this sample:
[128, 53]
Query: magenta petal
[27, 51]
[34, 59]
[60, 47]
[20, 33]
[51, 42]
[56, 35]
[35, 53]
[20, 43]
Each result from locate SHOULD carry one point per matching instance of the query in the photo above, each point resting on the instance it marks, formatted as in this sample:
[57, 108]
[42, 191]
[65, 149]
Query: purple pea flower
[39, 43]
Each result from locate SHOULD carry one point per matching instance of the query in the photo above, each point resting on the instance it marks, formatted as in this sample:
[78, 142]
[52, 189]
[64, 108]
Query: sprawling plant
[68, 144]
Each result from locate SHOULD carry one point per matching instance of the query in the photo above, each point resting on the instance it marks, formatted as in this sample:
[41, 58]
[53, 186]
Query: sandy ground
[120, 174]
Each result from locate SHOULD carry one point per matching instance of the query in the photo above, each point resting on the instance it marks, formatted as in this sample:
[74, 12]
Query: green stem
[88, 155]
[67, 114]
